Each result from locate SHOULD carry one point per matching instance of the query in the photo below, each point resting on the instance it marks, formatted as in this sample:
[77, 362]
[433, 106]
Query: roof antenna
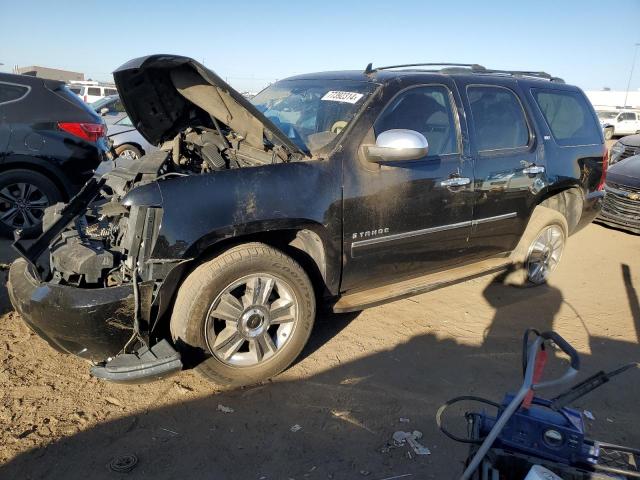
[369, 70]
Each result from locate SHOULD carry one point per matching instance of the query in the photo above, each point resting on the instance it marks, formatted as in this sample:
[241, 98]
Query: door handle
[533, 170]
[455, 182]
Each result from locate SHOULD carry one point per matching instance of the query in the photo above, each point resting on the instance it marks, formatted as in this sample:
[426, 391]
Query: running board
[415, 286]
[145, 365]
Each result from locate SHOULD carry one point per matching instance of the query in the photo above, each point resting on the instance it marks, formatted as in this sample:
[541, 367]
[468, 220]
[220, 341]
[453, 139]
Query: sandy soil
[358, 377]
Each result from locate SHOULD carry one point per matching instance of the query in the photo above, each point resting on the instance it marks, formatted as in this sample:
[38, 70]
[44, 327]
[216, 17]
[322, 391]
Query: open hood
[164, 94]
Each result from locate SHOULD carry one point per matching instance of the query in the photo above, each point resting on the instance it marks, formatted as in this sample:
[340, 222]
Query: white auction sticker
[346, 97]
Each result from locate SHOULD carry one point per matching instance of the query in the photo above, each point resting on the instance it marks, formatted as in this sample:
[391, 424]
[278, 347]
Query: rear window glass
[569, 117]
[498, 118]
[93, 91]
[11, 93]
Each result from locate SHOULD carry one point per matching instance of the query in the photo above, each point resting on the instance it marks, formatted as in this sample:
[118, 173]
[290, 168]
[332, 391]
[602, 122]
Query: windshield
[312, 113]
[607, 115]
[98, 104]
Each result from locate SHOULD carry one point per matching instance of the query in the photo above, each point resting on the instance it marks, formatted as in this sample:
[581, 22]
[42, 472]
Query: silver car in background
[127, 141]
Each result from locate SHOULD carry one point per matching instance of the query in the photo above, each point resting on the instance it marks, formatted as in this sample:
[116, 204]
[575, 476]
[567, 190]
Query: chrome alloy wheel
[251, 319]
[22, 205]
[544, 254]
[131, 154]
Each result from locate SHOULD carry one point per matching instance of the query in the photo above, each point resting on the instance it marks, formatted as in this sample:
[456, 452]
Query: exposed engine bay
[103, 247]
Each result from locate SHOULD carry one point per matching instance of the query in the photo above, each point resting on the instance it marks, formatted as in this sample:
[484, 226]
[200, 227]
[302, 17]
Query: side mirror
[104, 111]
[397, 145]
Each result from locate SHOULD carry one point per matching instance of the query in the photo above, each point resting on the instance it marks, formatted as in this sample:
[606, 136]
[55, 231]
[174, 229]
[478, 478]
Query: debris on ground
[296, 428]
[169, 431]
[365, 473]
[589, 415]
[183, 389]
[113, 401]
[224, 409]
[404, 420]
[124, 463]
[401, 438]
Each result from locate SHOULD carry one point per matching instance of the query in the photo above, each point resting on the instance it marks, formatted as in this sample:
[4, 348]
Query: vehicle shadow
[632, 296]
[7, 255]
[346, 414]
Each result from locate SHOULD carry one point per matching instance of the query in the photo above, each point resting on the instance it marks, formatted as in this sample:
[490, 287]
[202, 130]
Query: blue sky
[255, 42]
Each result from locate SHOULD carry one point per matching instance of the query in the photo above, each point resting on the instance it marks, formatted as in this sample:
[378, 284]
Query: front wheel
[247, 314]
[129, 151]
[540, 249]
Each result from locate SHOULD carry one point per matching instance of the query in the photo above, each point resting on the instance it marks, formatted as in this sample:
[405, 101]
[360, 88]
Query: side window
[110, 91]
[498, 118]
[627, 116]
[11, 93]
[94, 91]
[426, 110]
[569, 117]
[117, 106]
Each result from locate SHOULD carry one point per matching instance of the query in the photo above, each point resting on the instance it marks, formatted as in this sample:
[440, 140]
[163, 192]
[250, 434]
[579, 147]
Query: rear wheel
[24, 195]
[247, 314]
[540, 249]
[608, 133]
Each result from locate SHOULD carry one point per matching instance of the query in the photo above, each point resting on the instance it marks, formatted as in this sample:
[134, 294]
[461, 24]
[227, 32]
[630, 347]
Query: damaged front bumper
[93, 324]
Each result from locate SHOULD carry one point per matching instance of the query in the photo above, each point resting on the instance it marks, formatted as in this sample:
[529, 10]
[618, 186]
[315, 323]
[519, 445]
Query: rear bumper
[91, 323]
[590, 209]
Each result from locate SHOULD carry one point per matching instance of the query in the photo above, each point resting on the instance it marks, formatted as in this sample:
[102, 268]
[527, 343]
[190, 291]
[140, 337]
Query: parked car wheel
[608, 133]
[127, 150]
[249, 312]
[540, 249]
[24, 194]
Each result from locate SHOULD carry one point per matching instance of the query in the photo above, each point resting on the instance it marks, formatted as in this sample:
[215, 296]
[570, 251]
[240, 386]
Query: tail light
[605, 164]
[90, 132]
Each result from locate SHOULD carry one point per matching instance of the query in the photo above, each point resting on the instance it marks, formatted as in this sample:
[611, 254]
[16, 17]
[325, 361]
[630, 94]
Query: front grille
[628, 152]
[621, 205]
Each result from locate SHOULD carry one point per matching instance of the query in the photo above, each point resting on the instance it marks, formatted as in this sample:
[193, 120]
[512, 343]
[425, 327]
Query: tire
[608, 133]
[542, 244]
[237, 354]
[130, 150]
[24, 194]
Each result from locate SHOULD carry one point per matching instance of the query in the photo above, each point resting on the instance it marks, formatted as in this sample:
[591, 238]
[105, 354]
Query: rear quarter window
[94, 91]
[569, 117]
[10, 92]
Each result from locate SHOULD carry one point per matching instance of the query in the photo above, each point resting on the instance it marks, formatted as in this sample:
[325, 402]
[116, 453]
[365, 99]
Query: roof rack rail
[465, 67]
[473, 66]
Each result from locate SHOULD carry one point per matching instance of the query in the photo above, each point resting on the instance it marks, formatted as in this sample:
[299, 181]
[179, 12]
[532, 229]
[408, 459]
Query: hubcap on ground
[544, 254]
[251, 320]
[22, 205]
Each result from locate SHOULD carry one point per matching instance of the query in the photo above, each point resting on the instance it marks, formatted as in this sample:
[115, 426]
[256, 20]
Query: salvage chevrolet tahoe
[347, 189]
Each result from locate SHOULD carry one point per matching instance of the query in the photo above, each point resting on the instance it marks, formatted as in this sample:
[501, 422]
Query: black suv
[354, 188]
[50, 144]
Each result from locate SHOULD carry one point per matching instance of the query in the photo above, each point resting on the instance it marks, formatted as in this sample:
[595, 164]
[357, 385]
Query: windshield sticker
[346, 97]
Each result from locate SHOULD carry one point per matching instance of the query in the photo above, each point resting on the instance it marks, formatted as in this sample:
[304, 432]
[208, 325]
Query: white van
[92, 91]
[619, 122]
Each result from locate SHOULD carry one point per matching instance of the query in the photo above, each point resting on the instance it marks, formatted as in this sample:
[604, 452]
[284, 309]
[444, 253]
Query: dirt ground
[358, 377]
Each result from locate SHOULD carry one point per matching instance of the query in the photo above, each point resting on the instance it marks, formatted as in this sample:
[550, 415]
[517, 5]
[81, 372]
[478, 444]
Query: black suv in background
[351, 188]
[50, 143]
